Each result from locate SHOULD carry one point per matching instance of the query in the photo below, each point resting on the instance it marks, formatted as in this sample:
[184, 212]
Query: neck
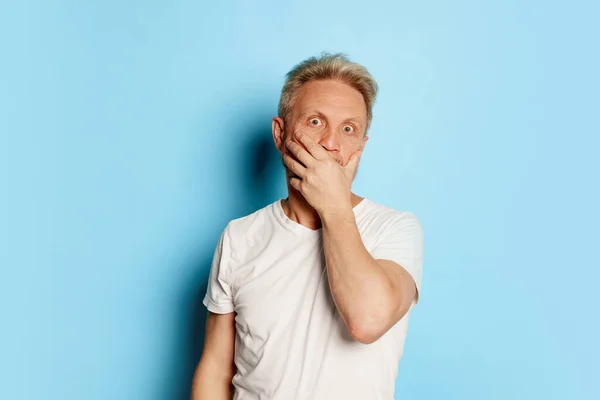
[298, 210]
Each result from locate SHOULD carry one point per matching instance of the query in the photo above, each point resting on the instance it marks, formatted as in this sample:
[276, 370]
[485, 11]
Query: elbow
[368, 329]
[365, 333]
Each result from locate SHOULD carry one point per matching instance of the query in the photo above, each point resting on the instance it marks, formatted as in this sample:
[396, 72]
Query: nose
[330, 140]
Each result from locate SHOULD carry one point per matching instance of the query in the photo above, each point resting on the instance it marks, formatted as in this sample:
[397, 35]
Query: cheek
[314, 130]
[284, 148]
[349, 147]
[309, 129]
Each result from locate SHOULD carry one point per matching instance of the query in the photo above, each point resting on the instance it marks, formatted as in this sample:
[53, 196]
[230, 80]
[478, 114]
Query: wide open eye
[349, 129]
[315, 122]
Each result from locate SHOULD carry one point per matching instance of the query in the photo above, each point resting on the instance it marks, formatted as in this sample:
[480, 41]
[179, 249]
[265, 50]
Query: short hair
[328, 66]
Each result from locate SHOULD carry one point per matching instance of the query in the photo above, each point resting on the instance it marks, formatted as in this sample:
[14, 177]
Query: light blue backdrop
[132, 132]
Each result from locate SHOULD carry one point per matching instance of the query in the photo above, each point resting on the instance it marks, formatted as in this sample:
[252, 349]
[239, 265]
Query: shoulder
[397, 236]
[385, 218]
[242, 232]
[248, 222]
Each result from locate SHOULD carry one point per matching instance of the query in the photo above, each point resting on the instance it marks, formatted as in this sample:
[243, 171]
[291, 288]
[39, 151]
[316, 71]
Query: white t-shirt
[291, 342]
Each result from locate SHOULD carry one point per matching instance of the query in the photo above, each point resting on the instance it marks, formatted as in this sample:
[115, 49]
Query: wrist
[332, 216]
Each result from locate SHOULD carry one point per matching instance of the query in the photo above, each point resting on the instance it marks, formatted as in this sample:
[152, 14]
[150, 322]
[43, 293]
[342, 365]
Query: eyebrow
[356, 120]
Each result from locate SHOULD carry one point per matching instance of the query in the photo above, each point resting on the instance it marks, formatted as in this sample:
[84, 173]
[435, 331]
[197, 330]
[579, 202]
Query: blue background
[132, 132]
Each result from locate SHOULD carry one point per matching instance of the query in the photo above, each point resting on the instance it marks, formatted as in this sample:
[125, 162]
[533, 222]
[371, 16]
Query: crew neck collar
[298, 228]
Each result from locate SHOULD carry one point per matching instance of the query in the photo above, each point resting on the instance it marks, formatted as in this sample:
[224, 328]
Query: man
[309, 297]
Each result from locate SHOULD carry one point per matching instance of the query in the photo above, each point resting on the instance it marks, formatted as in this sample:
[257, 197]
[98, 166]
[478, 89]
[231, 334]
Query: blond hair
[328, 66]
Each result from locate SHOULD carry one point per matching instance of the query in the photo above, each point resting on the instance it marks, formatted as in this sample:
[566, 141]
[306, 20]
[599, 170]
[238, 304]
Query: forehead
[332, 98]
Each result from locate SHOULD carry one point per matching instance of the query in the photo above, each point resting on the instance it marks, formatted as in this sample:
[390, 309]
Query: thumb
[352, 164]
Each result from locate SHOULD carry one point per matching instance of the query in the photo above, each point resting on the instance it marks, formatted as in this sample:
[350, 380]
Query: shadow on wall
[255, 187]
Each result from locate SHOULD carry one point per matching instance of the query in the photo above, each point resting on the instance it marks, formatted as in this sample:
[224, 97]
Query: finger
[294, 166]
[295, 183]
[315, 149]
[352, 164]
[301, 153]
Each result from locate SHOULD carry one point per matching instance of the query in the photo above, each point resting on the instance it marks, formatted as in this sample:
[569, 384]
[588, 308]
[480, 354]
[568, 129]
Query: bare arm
[371, 295]
[212, 379]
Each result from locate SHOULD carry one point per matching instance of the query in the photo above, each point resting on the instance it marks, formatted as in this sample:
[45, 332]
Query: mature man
[309, 297]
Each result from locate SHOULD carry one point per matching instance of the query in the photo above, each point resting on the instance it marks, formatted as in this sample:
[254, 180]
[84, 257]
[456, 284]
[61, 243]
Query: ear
[365, 139]
[278, 128]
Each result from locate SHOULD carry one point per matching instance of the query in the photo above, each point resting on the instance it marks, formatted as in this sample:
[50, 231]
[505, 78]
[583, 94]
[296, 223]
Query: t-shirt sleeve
[401, 241]
[219, 297]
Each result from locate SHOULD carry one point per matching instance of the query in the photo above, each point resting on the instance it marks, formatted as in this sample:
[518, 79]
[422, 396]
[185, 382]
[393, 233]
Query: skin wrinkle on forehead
[332, 95]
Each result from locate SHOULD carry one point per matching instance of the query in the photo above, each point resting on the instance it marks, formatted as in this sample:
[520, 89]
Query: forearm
[210, 385]
[361, 288]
